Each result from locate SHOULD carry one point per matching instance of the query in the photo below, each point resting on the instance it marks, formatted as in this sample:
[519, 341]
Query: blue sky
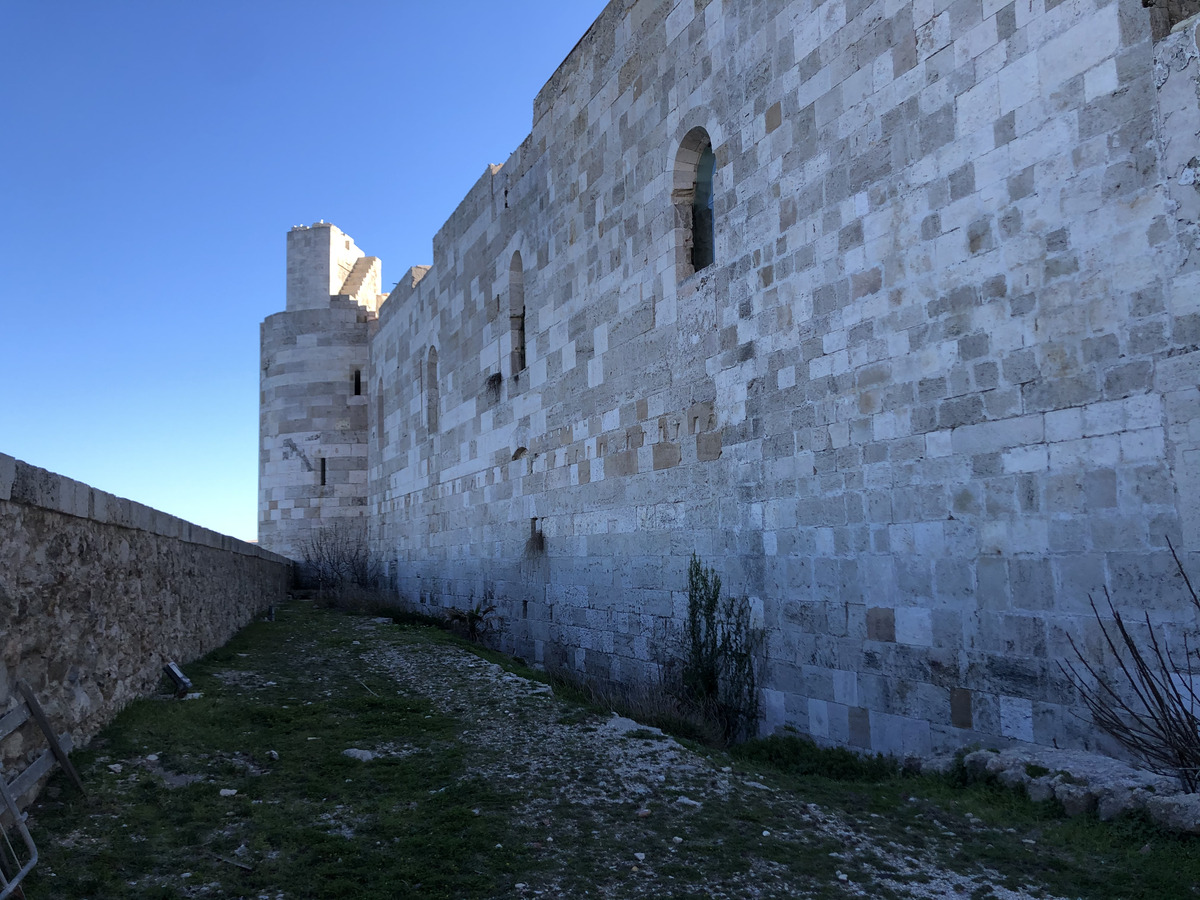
[153, 156]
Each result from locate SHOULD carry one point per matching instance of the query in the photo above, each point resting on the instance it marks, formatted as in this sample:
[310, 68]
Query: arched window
[431, 391]
[516, 311]
[692, 195]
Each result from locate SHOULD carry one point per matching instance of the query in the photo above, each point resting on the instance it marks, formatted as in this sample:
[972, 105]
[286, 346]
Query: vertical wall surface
[97, 593]
[939, 384]
[313, 402]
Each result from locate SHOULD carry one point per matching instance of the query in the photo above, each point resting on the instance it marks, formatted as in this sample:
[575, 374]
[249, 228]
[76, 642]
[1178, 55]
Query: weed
[337, 560]
[719, 673]
[801, 756]
[474, 620]
[1149, 699]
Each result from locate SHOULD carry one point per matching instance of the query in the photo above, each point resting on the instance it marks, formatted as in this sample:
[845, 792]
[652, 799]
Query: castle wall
[938, 386]
[97, 593]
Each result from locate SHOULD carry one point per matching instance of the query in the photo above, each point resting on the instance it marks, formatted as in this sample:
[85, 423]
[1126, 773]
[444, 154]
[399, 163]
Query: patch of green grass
[801, 756]
[973, 823]
[306, 819]
[283, 700]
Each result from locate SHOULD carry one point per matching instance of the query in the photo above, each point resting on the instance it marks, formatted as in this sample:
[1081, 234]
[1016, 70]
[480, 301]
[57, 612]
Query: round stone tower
[312, 469]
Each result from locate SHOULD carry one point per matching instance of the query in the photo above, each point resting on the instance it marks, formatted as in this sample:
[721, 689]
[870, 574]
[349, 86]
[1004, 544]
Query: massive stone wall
[939, 384]
[97, 593]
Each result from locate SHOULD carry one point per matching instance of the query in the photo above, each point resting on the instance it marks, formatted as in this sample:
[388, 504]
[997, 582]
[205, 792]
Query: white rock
[640, 857]
[1180, 813]
[355, 753]
[688, 801]
[228, 792]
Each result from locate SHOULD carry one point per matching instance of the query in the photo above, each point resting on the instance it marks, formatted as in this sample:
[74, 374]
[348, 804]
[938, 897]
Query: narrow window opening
[322, 471]
[358, 382]
[379, 415]
[516, 312]
[524, 609]
[692, 194]
[702, 211]
[536, 545]
[431, 390]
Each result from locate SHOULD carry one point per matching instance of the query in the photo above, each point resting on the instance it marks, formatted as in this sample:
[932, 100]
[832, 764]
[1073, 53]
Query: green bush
[801, 756]
[719, 675]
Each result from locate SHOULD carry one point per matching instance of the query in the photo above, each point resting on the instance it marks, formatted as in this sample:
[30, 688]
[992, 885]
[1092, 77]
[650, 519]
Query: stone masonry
[938, 385]
[97, 593]
[313, 420]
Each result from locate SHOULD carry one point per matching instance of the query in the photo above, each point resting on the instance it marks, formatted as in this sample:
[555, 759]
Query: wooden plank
[35, 709]
[13, 719]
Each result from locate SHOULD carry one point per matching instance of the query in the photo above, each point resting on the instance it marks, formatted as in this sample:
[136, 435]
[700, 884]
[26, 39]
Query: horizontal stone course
[937, 386]
[98, 592]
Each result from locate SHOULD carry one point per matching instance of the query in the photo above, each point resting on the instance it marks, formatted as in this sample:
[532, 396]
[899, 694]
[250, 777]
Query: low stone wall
[98, 592]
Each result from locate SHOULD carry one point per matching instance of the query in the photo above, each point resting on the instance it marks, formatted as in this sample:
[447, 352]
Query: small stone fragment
[153, 757]
[356, 753]
[842, 876]
[640, 857]
[642, 813]
[677, 840]
[271, 754]
[766, 833]
[115, 768]
[228, 792]
[688, 801]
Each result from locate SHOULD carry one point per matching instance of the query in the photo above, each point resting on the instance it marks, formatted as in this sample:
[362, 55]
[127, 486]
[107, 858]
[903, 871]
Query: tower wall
[312, 463]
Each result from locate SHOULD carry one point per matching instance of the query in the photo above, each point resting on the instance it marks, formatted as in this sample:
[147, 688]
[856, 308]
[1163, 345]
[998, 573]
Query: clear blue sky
[153, 156]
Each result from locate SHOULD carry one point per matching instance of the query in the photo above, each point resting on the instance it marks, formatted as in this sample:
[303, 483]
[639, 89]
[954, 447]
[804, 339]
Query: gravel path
[619, 810]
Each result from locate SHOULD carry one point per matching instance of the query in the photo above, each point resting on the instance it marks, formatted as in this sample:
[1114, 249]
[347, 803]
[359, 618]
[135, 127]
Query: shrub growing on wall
[721, 655]
[1145, 692]
[337, 559]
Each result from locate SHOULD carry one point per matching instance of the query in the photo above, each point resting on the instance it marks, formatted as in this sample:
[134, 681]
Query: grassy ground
[484, 784]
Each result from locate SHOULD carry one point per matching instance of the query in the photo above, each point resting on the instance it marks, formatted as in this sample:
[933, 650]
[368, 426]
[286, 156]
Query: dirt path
[625, 811]
[337, 756]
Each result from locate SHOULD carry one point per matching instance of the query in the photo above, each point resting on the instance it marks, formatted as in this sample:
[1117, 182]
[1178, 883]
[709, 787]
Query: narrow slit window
[358, 382]
[431, 390]
[322, 471]
[702, 211]
[516, 313]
